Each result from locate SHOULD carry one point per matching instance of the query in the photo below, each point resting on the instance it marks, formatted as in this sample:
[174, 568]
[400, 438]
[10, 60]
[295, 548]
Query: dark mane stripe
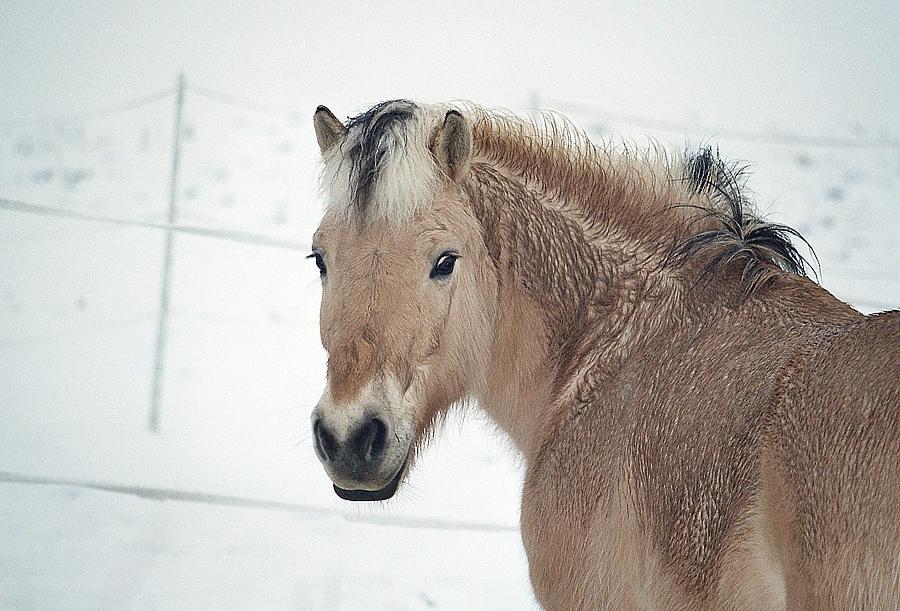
[371, 133]
[763, 247]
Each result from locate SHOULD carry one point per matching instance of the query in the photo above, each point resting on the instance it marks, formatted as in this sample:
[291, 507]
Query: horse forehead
[365, 262]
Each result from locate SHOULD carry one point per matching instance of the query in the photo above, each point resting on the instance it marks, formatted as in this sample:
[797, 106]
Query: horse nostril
[371, 439]
[326, 445]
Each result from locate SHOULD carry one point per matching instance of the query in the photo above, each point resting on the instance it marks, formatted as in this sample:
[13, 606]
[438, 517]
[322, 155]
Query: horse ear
[453, 145]
[329, 129]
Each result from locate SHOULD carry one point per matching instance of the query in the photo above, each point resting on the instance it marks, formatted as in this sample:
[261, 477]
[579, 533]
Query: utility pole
[166, 280]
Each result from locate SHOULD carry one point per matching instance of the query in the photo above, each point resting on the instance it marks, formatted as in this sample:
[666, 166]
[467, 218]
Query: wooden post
[166, 280]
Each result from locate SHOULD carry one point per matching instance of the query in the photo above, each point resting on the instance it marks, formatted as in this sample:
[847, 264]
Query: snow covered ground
[78, 315]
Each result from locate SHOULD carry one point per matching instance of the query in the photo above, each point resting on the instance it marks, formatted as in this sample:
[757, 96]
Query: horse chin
[382, 494]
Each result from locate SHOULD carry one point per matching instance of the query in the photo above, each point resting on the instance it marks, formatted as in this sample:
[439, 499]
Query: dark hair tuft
[373, 130]
[763, 247]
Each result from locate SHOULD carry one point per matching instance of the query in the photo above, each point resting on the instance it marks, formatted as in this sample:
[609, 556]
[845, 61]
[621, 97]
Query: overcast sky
[792, 65]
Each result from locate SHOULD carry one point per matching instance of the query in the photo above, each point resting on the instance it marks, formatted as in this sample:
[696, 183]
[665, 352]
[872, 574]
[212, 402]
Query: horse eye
[443, 267]
[320, 262]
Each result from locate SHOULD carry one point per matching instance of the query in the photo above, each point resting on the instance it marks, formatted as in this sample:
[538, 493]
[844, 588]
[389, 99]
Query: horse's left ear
[453, 145]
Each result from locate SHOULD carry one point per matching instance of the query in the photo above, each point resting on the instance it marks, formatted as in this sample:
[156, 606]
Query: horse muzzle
[366, 462]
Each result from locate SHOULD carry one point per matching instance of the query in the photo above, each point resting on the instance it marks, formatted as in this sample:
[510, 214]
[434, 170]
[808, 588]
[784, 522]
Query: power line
[779, 138]
[122, 107]
[243, 237]
[232, 100]
[206, 92]
[206, 498]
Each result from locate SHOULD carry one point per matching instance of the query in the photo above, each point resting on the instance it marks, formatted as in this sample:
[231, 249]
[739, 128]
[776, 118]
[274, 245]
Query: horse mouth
[382, 494]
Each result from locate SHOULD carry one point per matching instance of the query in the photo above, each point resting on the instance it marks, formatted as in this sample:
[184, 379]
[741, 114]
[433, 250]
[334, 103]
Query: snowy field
[78, 312]
[227, 507]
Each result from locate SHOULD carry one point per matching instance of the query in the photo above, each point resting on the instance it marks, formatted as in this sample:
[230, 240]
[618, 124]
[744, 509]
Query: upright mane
[699, 198]
[693, 205]
[741, 234]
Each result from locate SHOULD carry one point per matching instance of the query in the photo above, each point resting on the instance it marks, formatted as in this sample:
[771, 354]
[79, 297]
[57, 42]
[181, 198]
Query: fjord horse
[702, 425]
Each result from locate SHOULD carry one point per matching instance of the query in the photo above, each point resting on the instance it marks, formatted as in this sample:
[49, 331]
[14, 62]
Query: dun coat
[702, 425]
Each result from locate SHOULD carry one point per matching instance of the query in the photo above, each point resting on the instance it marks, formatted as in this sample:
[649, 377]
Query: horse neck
[575, 294]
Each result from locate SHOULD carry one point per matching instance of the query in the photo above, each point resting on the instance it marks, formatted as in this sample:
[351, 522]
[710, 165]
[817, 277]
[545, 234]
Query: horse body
[683, 481]
[700, 428]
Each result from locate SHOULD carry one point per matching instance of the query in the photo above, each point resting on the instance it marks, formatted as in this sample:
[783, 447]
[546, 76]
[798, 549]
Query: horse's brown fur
[731, 443]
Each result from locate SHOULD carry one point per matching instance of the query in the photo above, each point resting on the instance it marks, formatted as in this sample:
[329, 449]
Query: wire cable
[206, 498]
[120, 108]
[237, 102]
[221, 234]
[777, 138]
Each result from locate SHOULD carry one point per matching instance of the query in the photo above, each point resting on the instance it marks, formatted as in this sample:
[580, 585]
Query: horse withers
[702, 425]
